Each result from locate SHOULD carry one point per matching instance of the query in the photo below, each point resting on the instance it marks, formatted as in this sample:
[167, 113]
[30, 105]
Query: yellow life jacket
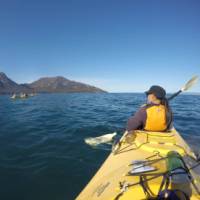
[156, 118]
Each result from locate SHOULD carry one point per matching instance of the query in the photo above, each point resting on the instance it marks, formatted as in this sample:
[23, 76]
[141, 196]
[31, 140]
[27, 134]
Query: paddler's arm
[137, 121]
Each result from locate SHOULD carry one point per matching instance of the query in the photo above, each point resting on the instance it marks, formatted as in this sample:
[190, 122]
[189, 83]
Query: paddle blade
[94, 141]
[190, 83]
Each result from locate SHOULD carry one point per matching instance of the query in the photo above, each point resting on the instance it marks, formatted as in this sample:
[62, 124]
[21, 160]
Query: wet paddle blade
[190, 83]
[94, 141]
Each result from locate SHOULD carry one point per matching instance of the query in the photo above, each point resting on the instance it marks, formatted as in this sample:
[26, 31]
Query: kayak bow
[141, 169]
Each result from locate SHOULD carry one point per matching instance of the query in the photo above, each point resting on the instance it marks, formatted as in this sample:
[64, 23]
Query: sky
[119, 46]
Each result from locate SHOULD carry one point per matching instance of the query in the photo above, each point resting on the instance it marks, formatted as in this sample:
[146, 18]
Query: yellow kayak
[145, 165]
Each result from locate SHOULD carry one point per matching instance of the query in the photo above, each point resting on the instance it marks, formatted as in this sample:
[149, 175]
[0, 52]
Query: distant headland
[56, 84]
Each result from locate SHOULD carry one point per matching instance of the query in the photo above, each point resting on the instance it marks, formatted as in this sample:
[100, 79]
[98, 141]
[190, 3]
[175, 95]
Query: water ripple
[42, 149]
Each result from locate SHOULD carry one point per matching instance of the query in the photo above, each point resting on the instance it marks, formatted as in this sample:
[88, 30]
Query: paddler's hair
[168, 111]
[164, 102]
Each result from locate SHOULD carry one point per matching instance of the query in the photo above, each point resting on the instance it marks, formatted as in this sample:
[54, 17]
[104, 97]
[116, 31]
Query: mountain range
[56, 84]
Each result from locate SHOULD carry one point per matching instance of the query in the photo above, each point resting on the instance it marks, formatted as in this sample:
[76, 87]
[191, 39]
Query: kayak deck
[115, 175]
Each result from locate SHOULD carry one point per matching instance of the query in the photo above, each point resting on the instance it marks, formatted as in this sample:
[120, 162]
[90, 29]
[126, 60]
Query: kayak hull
[111, 180]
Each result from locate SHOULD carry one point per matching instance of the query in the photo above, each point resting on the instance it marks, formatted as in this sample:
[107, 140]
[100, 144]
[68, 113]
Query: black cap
[158, 91]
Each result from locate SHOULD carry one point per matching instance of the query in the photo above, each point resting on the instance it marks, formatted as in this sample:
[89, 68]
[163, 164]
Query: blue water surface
[42, 151]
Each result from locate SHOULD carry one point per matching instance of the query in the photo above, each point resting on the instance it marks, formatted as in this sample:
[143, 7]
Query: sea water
[43, 155]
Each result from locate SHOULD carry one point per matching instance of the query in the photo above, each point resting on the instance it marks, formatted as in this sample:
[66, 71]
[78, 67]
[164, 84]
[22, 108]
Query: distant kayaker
[156, 115]
[14, 96]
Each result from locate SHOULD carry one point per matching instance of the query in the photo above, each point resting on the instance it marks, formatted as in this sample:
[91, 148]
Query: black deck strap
[187, 171]
[121, 184]
[194, 166]
[145, 182]
[146, 174]
[134, 184]
[190, 176]
[167, 182]
[154, 155]
[162, 183]
[118, 196]
[144, 187]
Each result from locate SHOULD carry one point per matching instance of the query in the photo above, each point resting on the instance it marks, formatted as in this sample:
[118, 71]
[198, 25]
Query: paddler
[156, 115]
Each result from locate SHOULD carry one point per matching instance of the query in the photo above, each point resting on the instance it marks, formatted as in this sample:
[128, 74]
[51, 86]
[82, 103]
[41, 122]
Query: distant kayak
[18, 97]
[152, 165]
[22, 96]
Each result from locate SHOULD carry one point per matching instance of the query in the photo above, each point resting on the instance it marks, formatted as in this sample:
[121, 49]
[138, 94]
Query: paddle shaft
[174, 95]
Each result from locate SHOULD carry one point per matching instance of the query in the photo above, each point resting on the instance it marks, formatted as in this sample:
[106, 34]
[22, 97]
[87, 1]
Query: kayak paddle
[187, 86]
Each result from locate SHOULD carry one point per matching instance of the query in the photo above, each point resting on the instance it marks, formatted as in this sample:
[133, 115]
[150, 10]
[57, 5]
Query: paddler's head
[155, 94]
